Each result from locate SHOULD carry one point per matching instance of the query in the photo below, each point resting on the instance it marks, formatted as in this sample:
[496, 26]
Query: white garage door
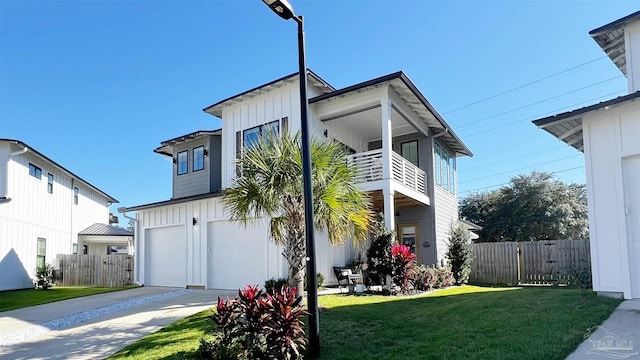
[631, 173]
[166, 256]
[240, 256]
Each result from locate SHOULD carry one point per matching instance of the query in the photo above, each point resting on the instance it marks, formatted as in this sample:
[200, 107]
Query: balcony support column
[387, 138]
[389, 208]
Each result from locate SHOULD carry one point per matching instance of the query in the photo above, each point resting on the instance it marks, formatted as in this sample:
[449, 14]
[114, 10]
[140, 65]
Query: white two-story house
[43, 208]
[608, 134]
[405, 151]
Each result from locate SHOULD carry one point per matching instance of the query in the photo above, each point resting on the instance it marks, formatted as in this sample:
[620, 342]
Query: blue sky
[97, 85]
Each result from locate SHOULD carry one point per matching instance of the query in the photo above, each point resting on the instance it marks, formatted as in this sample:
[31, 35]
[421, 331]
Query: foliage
[532, 207]
[431, 278]
[403, 263]
[258, 325]
[319, 280]
[44, 277]
[379, 253]
[274, 285]
[271, 185]
[460, 254]
[581, 277]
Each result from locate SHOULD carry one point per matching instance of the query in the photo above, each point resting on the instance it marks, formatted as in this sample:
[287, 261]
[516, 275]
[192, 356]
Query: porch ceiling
[399, 201]
[368, 124]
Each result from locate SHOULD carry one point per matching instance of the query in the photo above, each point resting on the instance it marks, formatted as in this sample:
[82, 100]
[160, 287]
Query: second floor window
[445, 166]
[35, 171]
[251, 136]
[76, 192]
[409, 151]
[50, 183]
[183, 162]
[198, 158]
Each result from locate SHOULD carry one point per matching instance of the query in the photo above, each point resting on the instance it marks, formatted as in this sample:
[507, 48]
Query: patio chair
[344, 274]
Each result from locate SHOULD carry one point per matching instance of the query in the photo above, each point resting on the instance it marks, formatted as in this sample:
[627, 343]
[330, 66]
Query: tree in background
[533, 206]
[459, 253]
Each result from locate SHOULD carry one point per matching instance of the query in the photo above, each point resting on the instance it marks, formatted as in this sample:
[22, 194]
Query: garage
[239, 256]
[166, 256]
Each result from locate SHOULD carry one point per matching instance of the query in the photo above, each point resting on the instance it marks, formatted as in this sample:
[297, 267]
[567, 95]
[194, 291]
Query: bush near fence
[95, 270]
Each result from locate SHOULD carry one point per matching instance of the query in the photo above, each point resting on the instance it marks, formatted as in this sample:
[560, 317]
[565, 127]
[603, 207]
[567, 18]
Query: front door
[408, 236]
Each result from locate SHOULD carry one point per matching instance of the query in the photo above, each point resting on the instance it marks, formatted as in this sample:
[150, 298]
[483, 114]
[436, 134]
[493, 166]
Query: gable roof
[402, 85]
[98, 229]
[567, 126]
[165, 146]
[22, 144]
[216, 109]
[610, 38]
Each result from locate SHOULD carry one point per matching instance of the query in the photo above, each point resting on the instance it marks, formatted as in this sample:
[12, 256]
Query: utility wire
[539, 102]
[542, 114]
[509, 159]
[522, 168]
[525, 85]
[491, 186]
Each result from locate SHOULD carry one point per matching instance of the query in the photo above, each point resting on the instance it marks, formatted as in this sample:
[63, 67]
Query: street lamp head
[280, 7]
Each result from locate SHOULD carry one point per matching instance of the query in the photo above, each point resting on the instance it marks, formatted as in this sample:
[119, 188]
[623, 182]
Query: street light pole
[283, 9]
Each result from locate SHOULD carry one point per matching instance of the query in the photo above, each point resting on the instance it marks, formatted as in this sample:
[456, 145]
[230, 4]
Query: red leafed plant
[403, 262]
[258, 325]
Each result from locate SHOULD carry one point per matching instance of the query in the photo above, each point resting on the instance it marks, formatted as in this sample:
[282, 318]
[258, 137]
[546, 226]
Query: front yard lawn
[16, 299]
[467, 322]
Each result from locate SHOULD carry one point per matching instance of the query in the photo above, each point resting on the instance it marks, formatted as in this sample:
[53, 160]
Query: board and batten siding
[610, 137]
[193, 182]
[33, 213]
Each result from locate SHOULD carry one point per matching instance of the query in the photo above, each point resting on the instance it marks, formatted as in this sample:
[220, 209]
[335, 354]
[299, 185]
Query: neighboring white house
[43, 207]
[609, 135]
[405, 151]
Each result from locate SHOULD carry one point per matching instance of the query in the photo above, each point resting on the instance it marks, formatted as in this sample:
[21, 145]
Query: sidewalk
[99, 337]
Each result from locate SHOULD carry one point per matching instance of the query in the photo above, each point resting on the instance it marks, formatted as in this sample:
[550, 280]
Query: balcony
[369, 168]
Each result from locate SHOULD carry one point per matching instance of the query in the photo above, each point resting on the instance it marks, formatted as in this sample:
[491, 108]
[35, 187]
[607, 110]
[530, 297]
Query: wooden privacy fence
[95, 270]
[532, 262]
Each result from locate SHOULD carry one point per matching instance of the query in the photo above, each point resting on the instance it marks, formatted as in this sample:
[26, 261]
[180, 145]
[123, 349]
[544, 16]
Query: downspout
[435, 136]
[135, 253]
[4, 198]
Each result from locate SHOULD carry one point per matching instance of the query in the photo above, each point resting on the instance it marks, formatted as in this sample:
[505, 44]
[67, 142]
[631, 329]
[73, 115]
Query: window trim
[37, 171]
[41, 256]
[186, 171]
[445, 168]
[417, 164]
[76, 195]
[193, 151]
[50, 179]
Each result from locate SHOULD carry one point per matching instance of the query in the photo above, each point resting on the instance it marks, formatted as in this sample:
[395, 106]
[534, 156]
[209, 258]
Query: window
[409, 151]
[74, 248]
[445, 166]
[198, 158]
[75, 195]
[42, 252]
[35, 171]
[251, 136]
[183, 162]
[50, 183]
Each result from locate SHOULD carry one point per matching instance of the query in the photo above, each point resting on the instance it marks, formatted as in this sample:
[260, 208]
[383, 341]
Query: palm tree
[271, 185]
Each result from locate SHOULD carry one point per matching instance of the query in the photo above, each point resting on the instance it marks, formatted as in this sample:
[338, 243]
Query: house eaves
[165, 146]
[171, 201]
[98, 229]
[31, 150]
[408, 92]
[315, 80]
[610, 38]
[567, 126]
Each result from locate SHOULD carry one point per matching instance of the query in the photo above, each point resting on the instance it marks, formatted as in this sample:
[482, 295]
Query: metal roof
[567, 126]
[408, 92]
[610, 38]
[110, 198]
[171, 201]
[105, 230]
[216, 109]
[165, 145]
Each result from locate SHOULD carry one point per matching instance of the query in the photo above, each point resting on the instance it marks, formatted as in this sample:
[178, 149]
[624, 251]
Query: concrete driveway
[95, 327]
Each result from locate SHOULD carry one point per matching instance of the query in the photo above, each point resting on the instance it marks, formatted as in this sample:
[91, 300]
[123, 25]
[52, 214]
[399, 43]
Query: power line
[542, 114]
[525, 85]
[491, 186]
[513, 158]
[539, 102]
[526, 167]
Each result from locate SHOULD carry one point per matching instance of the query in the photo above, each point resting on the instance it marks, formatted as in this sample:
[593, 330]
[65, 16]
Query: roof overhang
[313, 78]
[35, 152]
[567, 126]
[166, 146]
[610, 38]
[410, 94]
[171, 202]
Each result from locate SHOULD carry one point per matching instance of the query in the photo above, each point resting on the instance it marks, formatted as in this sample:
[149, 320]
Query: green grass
[16, 299]
[468, 322]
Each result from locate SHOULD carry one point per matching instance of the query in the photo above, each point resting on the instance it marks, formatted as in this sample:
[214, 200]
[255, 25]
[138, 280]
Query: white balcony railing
[369, 168]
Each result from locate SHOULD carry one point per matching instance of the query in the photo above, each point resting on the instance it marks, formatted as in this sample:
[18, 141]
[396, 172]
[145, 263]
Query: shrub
[460, 254]
[444, 277]
[379, 253]
[44, 276]
[319, 280]
[403, 264]
[258, 325]
[274, 285]
[581, 278]
[431, 278]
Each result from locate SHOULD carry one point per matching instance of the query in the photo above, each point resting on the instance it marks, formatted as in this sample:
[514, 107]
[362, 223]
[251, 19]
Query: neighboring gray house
[405, 151]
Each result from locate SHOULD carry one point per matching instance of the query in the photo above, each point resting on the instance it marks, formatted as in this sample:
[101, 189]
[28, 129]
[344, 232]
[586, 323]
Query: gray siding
[426, 240]
[446, 214]
[192, 183]
[215, 163]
